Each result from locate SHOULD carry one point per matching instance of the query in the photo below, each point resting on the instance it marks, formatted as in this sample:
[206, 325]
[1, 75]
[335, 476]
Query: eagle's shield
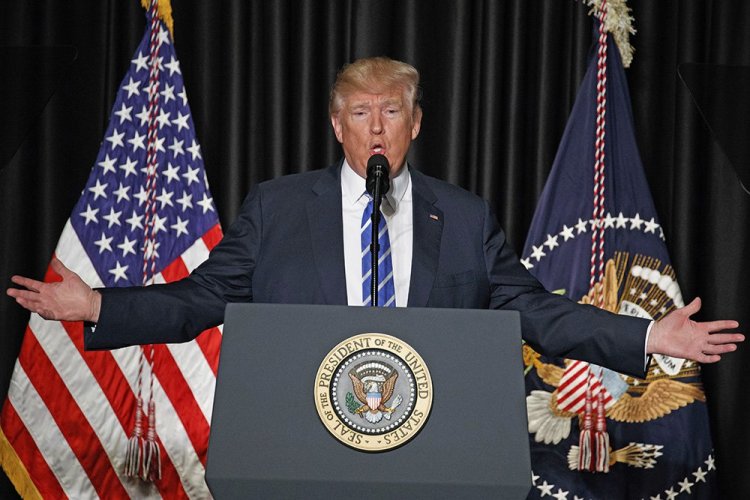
[373, 400]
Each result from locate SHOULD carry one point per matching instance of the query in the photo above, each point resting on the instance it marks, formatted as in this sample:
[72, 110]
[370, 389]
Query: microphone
[377, 184]
[378, 181]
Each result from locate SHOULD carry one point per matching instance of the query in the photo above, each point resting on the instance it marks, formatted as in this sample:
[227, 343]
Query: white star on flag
[89, 214]
[129, 167]
[191, 175]
[119, 272]
[127, 246]
[171, 173]
[181, 122]
[104, 243]
[141, 62]
[168, 93]
[174, 66]
[180, 226]
[99, 190]
[165, 198]
[112, 218]
[176, 148]
[195, 150]
[132, 88]
[122, 193]
[137, 141]
[635, 222]
[116, 139]
[186, 201]
[135, 221]
[538, 252]
[206, 203]
[124, 113]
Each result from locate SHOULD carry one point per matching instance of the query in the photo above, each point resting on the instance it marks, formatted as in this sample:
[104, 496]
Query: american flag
[69, 413]
[659, 438]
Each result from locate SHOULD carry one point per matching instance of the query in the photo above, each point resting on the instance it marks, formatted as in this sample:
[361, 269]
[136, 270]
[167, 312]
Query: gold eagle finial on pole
[164, 8]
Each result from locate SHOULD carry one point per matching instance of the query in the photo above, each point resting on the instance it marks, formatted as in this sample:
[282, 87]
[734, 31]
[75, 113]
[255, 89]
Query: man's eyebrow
[360, 105]
[366, 105]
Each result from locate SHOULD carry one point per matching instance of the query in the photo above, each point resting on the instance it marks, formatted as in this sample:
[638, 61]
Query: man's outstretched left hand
[678, 336]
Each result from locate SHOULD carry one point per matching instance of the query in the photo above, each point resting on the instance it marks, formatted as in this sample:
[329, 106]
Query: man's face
[369, 124]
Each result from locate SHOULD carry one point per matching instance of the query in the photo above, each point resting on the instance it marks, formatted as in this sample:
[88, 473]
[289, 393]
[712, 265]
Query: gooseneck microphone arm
[377, 184]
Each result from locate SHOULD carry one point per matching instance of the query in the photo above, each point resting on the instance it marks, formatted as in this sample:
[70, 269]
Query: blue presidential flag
[659, 441]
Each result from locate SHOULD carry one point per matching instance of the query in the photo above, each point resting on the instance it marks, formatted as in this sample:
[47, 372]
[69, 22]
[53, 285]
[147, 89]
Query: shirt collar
[353, 186]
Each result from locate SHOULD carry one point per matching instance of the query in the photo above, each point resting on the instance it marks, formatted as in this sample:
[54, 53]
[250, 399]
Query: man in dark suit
[297, 240]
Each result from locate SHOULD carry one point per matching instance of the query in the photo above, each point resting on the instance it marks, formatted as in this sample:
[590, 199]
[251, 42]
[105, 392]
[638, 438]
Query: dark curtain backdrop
[499, 79]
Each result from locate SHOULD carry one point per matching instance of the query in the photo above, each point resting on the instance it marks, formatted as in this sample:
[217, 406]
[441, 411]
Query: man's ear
[416, 123]
[336, 124]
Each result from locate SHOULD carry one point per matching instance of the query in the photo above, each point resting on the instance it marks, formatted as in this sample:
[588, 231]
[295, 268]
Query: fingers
[27, 283]
[26, 299]
[36, 306]
[716, 326]
[29, 305]
[706, 359]
[719, 348]
[725, 338]
[27, 295]
[718, 344]
[693, 307]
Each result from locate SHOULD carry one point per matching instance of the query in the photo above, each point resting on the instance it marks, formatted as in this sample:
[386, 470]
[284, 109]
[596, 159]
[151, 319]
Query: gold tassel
[620, 23]
[16, 471]
[165, 13]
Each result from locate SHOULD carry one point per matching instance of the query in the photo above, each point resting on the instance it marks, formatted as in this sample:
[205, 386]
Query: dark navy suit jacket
[287, 247]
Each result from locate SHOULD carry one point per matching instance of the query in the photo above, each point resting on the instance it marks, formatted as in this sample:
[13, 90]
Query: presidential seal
[373, 392]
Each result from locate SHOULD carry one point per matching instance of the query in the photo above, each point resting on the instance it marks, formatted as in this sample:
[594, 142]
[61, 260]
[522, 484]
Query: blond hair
[375, 75]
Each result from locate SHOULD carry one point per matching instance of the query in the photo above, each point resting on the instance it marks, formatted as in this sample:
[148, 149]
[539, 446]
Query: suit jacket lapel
[326, 235]
[428, 229]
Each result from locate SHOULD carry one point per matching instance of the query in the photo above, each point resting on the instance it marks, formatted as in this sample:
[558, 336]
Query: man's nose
[376, 124]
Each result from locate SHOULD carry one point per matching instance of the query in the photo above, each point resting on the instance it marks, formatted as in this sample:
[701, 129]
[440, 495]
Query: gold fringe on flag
[165, 13]
[16, 471]
[620, 23]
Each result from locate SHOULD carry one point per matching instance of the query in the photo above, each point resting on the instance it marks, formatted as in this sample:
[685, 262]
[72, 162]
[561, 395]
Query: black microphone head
[378, 171]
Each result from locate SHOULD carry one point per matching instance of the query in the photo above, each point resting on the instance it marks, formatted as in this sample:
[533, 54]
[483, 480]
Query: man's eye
[391, 111]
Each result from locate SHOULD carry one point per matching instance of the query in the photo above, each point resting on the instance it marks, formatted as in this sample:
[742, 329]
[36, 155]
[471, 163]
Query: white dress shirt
[397, 209]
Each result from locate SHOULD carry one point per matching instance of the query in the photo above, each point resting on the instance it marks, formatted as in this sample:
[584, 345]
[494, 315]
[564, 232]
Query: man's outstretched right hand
[68, 300]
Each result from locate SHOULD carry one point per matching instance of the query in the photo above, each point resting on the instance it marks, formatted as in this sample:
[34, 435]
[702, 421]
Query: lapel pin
[434, 217]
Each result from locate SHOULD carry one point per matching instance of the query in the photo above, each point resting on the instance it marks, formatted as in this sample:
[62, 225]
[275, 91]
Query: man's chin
[396, 171]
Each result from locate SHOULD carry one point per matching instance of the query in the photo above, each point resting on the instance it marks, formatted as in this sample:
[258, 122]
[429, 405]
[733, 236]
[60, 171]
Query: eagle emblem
[368, 396]
[373, 383]
[628, 287]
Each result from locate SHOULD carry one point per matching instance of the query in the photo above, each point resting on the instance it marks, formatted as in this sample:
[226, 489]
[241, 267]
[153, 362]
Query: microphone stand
[374, 243]
[377, 184]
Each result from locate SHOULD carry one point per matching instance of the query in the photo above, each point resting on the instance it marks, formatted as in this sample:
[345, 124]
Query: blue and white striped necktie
[386, 288]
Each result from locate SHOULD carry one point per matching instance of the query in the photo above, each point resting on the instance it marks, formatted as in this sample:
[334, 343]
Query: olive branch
[351, 403]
